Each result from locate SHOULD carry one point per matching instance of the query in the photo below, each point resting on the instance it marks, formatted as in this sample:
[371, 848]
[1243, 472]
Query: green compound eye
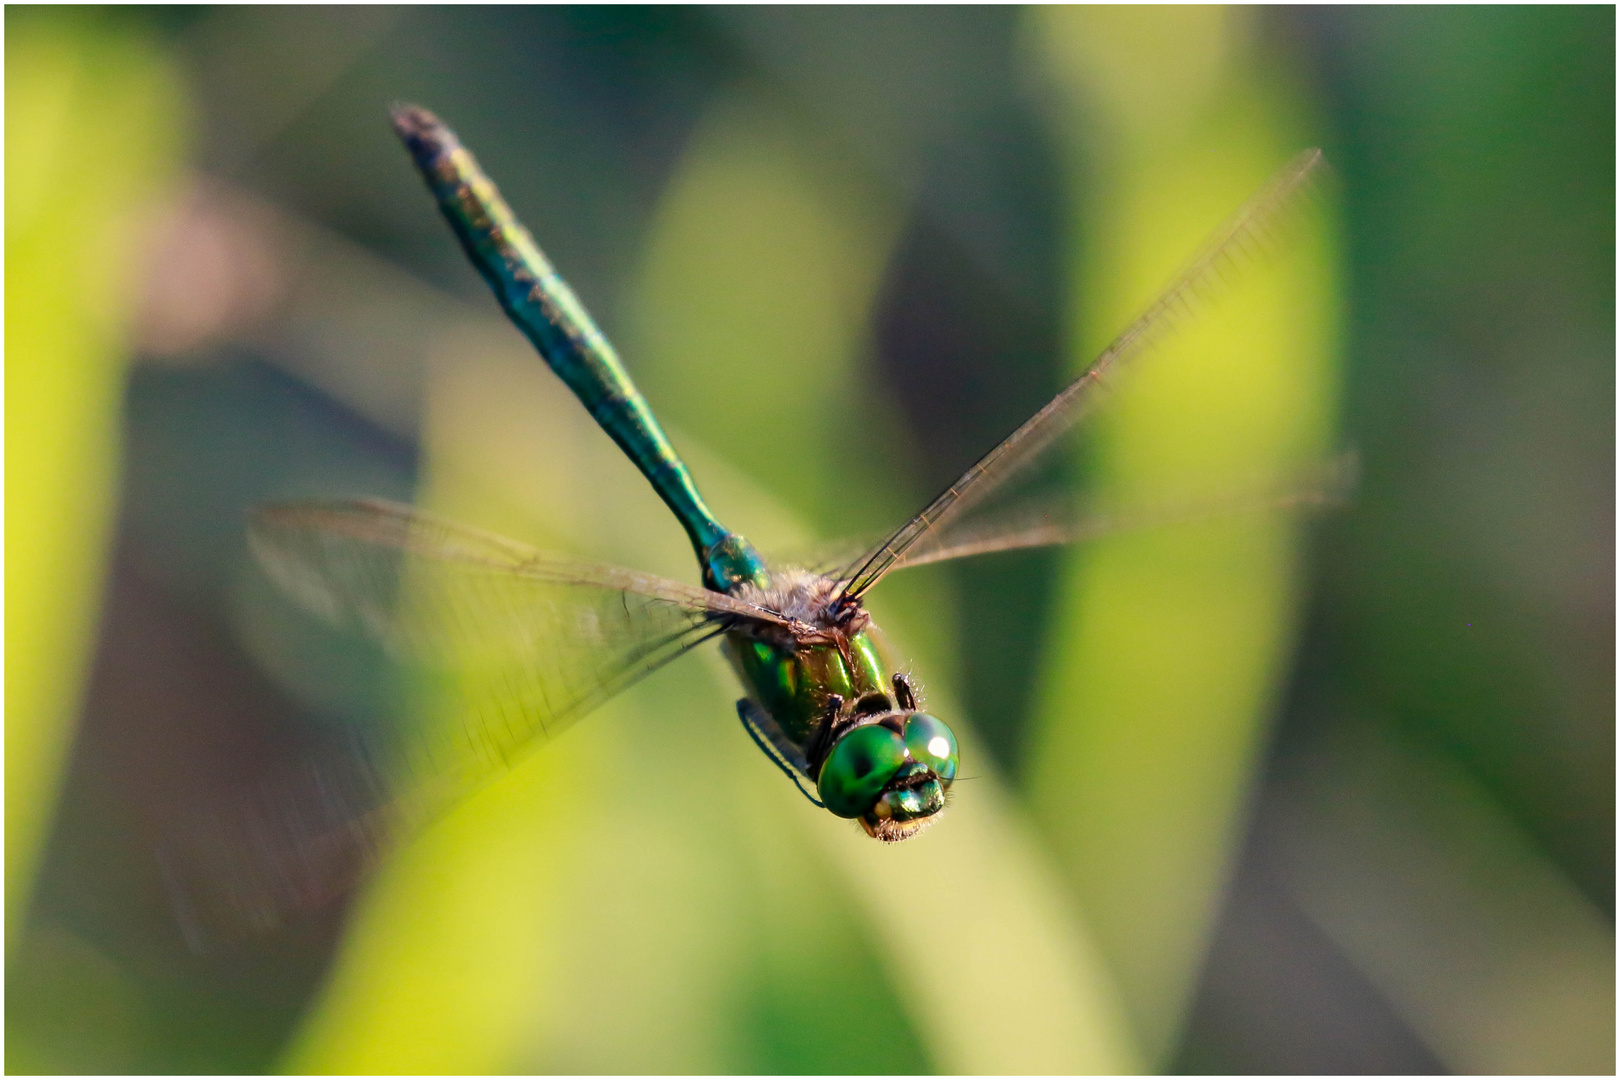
[858, 767]
[932, 743]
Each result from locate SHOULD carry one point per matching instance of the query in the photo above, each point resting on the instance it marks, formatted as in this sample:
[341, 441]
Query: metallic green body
[815, 672]
[516, 644]
[795, 685]
[793, 682]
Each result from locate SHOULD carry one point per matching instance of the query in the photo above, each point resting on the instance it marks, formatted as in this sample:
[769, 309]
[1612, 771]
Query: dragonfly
[515, 644]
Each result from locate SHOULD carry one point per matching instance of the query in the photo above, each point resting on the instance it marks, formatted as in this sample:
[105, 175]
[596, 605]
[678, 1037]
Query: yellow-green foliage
[93, 132]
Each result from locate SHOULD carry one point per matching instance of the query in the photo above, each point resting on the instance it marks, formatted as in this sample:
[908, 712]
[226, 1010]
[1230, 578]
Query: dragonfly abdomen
[542, 305]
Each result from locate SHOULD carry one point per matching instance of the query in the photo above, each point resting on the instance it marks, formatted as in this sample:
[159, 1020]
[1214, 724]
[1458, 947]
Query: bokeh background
[1258, 794]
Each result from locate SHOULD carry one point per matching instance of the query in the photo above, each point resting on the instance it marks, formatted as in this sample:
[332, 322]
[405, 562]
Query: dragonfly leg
[904, 695]
[754, 721]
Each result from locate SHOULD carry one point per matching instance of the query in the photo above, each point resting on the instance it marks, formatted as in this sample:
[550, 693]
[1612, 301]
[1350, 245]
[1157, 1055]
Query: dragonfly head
[890, 772]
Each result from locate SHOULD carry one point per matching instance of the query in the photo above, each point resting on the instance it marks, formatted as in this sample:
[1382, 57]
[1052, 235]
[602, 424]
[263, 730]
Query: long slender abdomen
[546, 310]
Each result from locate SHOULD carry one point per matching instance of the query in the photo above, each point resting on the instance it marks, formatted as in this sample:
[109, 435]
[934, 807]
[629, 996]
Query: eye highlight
[932, 743]
[856, 771]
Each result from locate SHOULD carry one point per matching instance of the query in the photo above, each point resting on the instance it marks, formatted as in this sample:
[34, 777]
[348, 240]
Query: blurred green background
[1249, 795]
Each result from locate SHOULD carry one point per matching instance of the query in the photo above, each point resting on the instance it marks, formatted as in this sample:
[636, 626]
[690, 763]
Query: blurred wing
[499, 647]
[1252, 229]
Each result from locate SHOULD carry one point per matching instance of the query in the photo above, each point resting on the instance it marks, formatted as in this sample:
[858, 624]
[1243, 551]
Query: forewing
[497, 648]
[1252, 229]
[1059, 520]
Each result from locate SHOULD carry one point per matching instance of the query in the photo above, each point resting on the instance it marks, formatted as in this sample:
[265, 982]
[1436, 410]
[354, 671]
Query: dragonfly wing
[1252, 229]
[497, 647]
[1045, 522]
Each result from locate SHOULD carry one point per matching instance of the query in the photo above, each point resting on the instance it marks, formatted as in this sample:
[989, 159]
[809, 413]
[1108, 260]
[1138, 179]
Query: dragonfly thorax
[811, 600]
[798, 668]
[830, 701]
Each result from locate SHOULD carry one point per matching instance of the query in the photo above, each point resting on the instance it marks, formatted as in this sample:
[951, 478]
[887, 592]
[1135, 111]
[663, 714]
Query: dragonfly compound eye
[931, 743]
[859, 767]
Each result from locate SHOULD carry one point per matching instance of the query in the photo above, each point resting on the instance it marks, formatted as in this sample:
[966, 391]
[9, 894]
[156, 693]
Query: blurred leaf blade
[1448, 907]
[1170, 644]
[94, 122]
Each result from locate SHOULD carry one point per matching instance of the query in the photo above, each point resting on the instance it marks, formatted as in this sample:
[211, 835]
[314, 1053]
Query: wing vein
[1251, 227]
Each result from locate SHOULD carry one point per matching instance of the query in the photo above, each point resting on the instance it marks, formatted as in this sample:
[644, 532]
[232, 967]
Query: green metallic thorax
[794, 685]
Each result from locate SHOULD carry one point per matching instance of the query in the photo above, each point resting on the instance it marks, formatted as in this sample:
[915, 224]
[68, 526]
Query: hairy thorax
[827, 655]
[810, 601]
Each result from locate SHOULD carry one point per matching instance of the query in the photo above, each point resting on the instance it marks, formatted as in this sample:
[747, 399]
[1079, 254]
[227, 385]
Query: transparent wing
[497, 647]
[1058, 521]
[1248, 232]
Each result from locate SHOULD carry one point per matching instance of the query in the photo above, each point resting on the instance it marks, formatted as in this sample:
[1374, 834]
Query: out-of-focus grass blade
[1169, 644]
[1444, 904]
[93, 131]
